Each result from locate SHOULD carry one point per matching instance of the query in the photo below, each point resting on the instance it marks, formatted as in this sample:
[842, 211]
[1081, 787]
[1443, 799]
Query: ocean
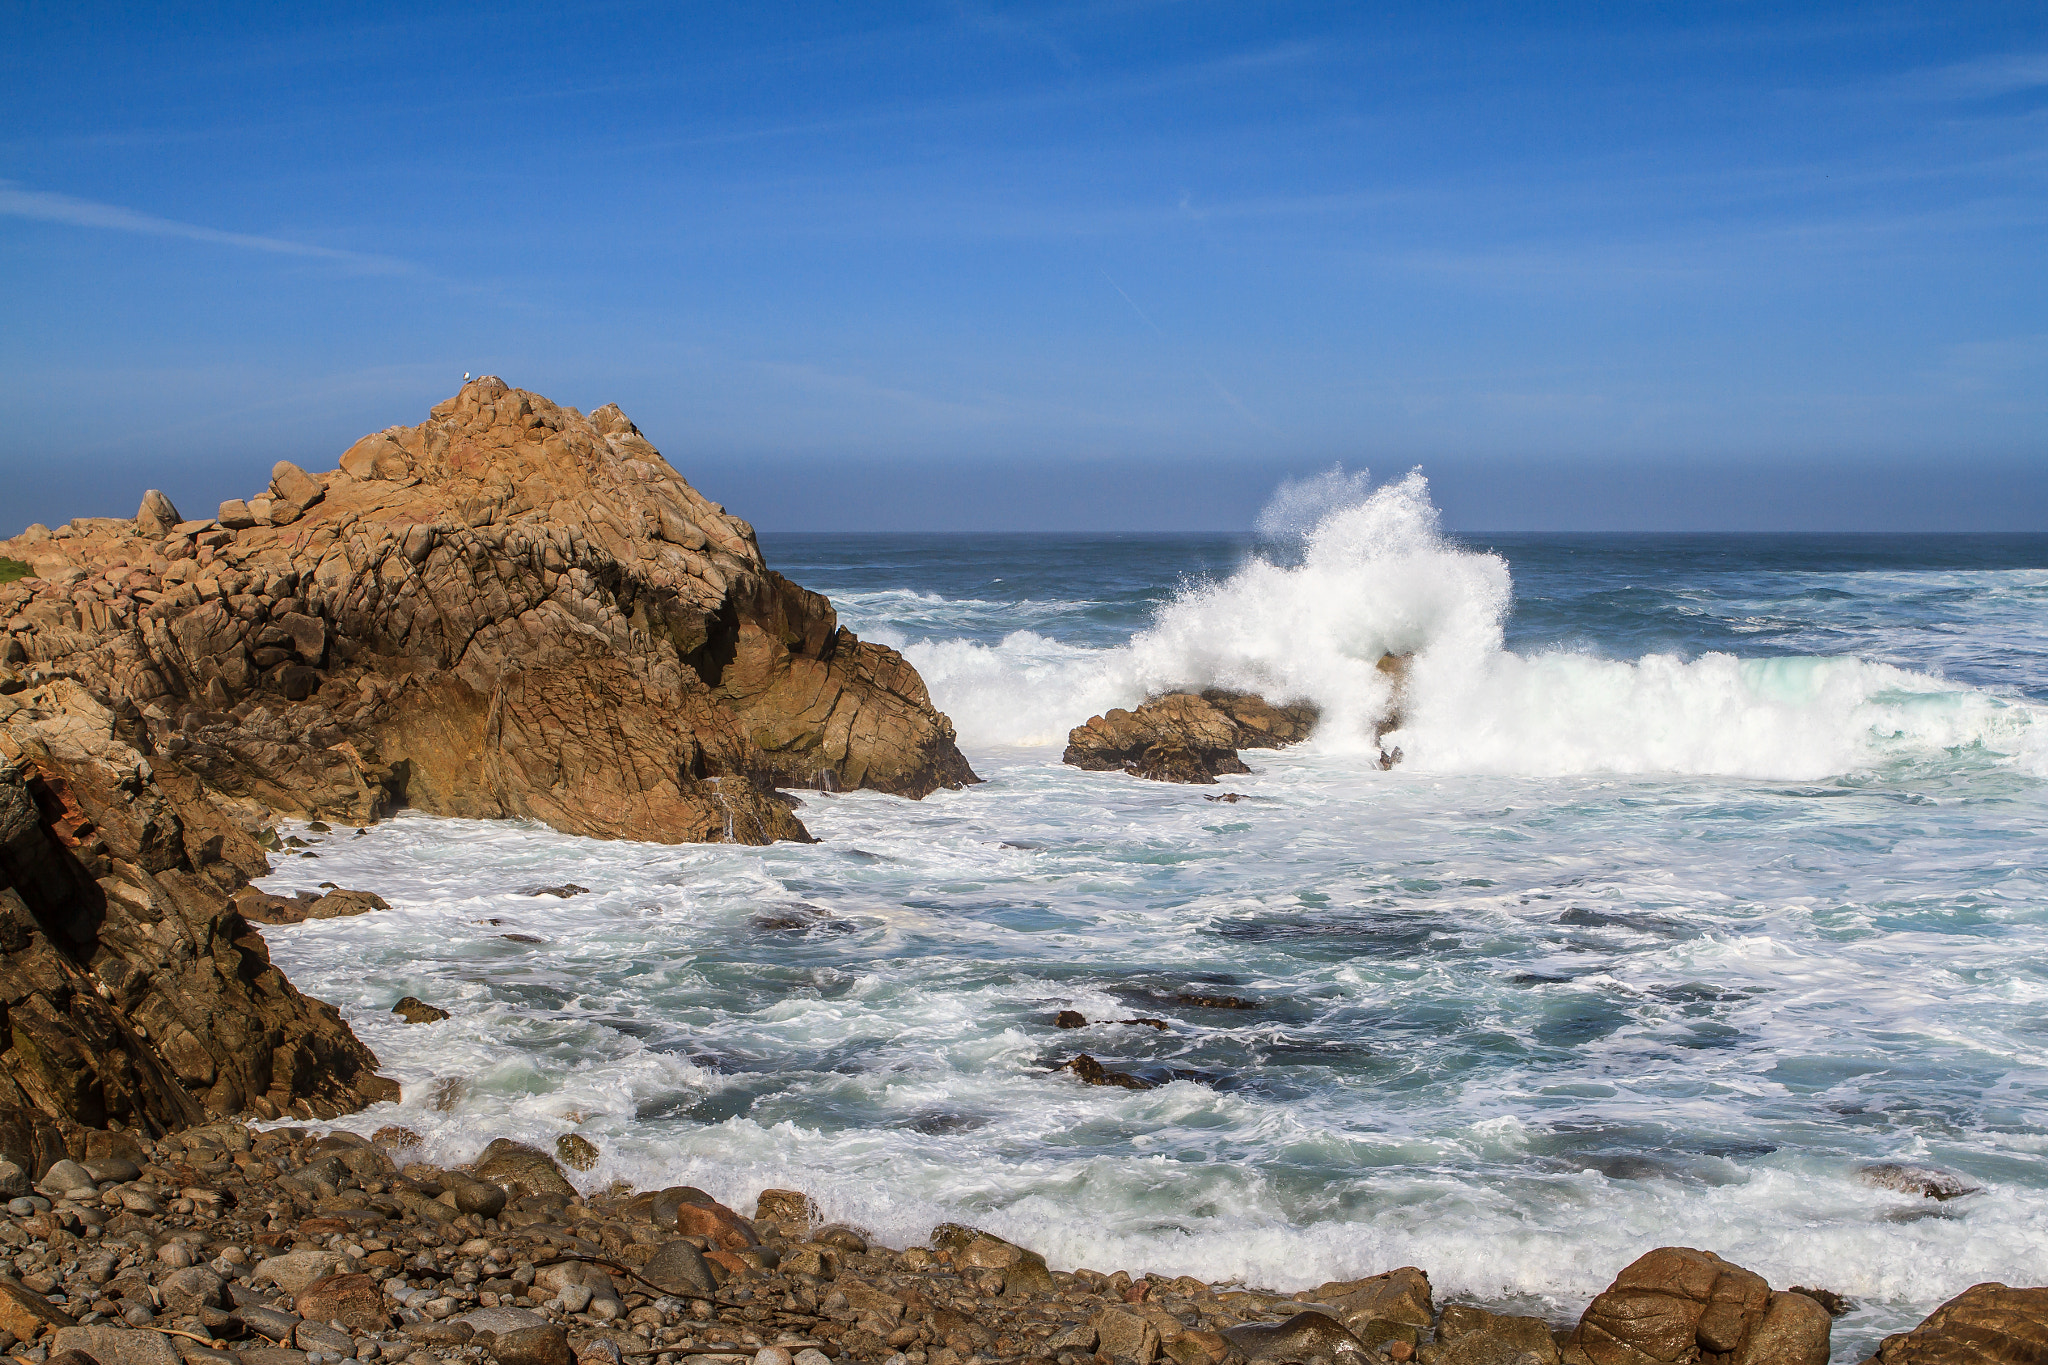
[1712, 872]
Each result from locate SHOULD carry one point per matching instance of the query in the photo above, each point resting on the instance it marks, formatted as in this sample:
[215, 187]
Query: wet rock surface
[511, 609]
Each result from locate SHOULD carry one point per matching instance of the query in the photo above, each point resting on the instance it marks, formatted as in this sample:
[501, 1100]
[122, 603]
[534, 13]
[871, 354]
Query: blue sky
[1090, 266]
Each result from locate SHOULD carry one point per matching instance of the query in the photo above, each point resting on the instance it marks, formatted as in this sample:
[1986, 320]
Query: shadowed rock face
[510, 609]
[134, 991]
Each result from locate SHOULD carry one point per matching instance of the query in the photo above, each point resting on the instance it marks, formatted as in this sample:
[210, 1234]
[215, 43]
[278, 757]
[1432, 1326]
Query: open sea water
[1713, 871]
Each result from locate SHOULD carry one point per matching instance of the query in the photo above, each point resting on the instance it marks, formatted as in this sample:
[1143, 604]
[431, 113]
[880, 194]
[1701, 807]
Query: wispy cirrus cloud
[47, 206]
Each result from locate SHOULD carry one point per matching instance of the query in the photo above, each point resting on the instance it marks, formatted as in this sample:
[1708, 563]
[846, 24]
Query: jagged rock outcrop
[134, 992]
[511, 609]
[1185, 736]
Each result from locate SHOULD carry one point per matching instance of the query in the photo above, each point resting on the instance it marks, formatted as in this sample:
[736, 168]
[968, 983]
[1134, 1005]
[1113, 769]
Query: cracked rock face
[133, 989]
[511, 609]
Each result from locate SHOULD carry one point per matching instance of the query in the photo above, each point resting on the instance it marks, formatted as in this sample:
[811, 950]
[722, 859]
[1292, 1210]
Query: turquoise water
[1713, 872]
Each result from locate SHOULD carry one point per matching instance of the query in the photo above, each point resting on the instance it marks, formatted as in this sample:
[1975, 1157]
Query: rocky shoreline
[227, 1245]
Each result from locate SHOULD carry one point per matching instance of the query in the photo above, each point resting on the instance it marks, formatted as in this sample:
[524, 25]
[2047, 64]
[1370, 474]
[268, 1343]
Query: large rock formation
[1186, 737]
[134, 993]
[509, 610]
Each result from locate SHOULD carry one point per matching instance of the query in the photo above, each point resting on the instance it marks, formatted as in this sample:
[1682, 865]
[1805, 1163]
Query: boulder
[1024, 1272]
[790, 1207]
[1986, 1324]
[510, 610]
[1472, 1336]
[1185, 736]
[117, 1346]
[294, 1270]
[356, 1301]
[414, 1010]
[1125, 1336]
[520, 1170]
[1394, 1306]
[292, 492]
[1678, 1305]
[679, 1268]
[187, 1291]
[694, 1213]
[1302, 1337]
[548, 1345]
[156, 516]
[27, 1313]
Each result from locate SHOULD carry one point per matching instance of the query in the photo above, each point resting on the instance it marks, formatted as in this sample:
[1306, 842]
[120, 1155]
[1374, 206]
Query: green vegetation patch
[11, 569]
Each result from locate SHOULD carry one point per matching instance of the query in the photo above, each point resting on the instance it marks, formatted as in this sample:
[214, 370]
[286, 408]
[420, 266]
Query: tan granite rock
[511, 609]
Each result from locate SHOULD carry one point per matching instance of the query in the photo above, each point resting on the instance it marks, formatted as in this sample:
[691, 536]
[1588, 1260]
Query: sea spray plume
[1298, 506]
[1374, 577]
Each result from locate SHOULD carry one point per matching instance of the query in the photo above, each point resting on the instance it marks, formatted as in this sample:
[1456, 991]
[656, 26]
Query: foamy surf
[1360, 572]
[1642, 946]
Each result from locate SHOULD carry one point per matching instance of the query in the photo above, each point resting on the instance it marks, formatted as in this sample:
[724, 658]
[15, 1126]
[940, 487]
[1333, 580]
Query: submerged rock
[1925, 1181]
[414, 1010]
[1186, 737]
[1094, 1073]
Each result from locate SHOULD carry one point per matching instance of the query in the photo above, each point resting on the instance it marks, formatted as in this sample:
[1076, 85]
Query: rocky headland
[511, 609]
[225, 1246]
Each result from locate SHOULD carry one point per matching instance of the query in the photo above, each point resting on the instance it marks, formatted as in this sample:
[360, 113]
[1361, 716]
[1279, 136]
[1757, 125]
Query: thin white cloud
[48, 207]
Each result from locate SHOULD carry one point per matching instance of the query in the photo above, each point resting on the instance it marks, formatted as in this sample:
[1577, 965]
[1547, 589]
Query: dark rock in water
[522, 938]
[1215, 1002]
[1185, 737]
[1986, 1324]
[565, 890]
[414, 1010]
[1921, 1180]
[1826, 1298]
[1678, 1305]
[1076, 1019]
[1302, 1337]
[1093, 1072]
[1232, 797]
[260, 907]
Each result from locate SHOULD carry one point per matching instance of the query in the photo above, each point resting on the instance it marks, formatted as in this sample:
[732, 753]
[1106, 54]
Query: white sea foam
[1367, 573]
